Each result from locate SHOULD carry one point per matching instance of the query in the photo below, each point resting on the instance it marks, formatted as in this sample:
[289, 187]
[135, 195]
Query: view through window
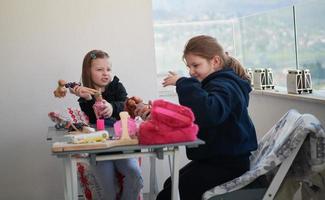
[259, 34]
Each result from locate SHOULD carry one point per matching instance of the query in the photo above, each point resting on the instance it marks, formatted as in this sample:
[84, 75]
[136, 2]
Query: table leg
[153, 179]
[175, 174]
[70, 187]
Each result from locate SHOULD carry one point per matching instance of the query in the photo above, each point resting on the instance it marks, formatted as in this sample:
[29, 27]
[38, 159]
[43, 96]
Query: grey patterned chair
[295, 142]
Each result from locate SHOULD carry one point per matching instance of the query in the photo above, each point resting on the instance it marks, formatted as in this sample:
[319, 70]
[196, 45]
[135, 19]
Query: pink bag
[169, 123]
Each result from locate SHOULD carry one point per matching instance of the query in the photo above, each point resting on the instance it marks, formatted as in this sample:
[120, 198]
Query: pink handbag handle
[172, 114]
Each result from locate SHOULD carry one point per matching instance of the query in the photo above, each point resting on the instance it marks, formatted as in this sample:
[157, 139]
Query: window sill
[315, 97]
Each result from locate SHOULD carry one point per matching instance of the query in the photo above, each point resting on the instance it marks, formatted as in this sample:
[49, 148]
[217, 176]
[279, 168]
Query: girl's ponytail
[237, 67]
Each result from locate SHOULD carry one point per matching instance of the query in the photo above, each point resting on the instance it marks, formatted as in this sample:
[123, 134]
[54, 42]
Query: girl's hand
[83, 92]
[107, 110]
[171, 79]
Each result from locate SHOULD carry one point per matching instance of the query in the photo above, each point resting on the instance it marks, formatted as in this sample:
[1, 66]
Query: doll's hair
[86, 66]
[208, 47]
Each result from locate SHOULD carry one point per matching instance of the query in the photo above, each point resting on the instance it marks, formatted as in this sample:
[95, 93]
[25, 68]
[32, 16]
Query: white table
[131, 151]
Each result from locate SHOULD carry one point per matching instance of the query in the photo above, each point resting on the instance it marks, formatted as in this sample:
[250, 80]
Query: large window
[259, 34]
[170, 39]
[267, 41]
[311, 39]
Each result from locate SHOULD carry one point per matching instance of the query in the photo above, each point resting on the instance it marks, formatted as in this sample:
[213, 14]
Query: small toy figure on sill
[263, 79]
[299, 81]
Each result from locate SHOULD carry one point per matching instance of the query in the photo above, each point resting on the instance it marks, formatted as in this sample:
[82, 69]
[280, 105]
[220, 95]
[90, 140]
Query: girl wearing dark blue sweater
[218, 94]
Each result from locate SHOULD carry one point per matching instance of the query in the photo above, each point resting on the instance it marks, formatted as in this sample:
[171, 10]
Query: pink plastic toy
[132, 127]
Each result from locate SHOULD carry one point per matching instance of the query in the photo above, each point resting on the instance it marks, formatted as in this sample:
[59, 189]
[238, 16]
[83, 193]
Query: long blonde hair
[208, 47]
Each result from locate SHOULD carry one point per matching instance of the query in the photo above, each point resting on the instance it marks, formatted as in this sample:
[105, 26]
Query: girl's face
[200, 67]
[100, 73]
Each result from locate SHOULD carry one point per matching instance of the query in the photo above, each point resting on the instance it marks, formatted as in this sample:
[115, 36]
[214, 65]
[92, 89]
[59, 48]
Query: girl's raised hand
[83, 92]
[171, 79]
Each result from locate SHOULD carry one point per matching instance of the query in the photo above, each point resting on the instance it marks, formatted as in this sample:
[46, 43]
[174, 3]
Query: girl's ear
[216, 62]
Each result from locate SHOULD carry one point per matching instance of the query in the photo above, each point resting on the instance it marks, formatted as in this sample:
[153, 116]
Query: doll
[61, 90]
[99, 105]
[135, 107]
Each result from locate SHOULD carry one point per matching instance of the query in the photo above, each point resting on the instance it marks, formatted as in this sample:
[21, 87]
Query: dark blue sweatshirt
[219, 104]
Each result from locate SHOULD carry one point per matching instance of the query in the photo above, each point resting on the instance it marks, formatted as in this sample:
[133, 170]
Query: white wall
[42, 41]
[265, 110]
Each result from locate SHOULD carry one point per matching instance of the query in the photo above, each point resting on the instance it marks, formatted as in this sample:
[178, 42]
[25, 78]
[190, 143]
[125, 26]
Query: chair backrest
[274, 143]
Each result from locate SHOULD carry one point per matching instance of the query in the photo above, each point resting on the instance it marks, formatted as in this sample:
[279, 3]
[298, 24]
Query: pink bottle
[100, 124]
